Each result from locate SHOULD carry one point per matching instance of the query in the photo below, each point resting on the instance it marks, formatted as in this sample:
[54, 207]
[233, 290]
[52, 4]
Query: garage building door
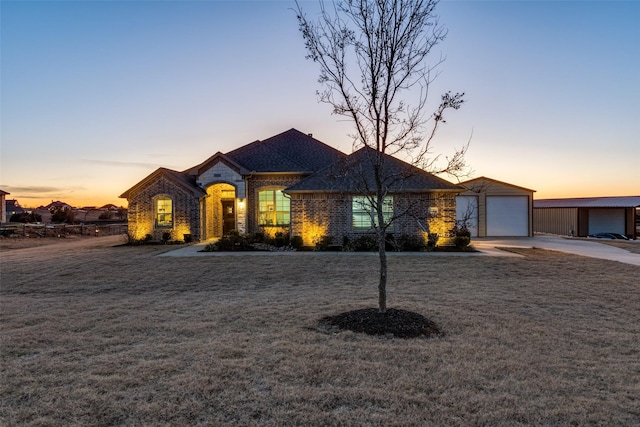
[606, 221]
[507, 216]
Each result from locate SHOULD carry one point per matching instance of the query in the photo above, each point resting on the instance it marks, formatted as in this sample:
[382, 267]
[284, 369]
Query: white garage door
[507, 216]
[606, 221]
[467, 213]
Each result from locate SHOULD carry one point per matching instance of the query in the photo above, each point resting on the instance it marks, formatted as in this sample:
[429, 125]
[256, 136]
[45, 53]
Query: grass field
[98, 335]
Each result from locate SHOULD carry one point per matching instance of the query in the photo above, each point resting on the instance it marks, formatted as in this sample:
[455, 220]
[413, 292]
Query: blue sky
[96, 95]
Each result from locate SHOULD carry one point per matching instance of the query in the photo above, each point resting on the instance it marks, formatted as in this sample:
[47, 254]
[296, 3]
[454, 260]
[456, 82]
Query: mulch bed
[399, 323]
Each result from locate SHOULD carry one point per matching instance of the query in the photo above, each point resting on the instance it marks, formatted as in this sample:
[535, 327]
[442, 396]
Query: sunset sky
[96, 95]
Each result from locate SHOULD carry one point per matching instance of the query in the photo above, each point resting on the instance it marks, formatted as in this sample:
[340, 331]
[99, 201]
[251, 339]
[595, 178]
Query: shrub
[408, 243]
[296, 242]
[60, 215]
[432, 241]
[25, 217]
[233, 242]
[225, 243]
[130, 239]
[390, 243]
[323, 243]
[347, 246]
[365, 243]
[166, 236]
[461, 237]
[280, 240]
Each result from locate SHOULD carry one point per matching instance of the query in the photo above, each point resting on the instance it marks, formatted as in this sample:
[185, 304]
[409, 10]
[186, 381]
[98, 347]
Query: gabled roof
[469, 183]
[109, 206]
[4, 192]
[185, 181]
[218, 157]
[589, 202]
[290, 151]
[355, 173]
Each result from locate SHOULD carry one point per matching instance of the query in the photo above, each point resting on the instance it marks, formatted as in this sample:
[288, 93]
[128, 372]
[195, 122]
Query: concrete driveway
[555, 243]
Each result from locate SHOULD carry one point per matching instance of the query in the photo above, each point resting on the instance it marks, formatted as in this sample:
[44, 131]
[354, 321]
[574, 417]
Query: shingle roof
[469, 184]
[186, 181]
[589, 202]
[290, 151]
[355, 173]
[218, 157]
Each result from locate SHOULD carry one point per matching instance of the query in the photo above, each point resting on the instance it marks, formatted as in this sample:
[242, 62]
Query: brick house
[291, 183]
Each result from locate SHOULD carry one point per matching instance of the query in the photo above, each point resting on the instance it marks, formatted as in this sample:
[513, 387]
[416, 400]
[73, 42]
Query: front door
[228, 216]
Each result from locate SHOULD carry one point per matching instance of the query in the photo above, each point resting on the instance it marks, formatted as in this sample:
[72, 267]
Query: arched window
[273, 208]
[164, 212]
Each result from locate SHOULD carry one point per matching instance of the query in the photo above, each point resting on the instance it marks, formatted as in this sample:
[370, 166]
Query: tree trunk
[382, 285]
[382, 250]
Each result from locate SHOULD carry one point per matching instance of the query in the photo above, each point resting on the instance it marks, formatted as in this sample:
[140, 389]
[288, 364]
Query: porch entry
[228, 216]
[220, 210]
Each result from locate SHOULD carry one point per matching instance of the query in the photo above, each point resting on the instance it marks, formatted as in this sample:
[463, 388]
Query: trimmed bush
[296, 242]
[432, 241]
[323, 243]
[462, 238]
[408, 243]
[365, 243]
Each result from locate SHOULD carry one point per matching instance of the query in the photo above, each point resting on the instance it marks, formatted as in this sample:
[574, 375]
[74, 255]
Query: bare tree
[371, 53]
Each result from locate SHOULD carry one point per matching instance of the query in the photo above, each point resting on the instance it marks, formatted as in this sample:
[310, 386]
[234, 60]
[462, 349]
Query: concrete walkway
[485, 247]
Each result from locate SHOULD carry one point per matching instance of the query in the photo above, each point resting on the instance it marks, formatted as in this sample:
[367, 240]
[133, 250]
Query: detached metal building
[589, 215]
[491, 208]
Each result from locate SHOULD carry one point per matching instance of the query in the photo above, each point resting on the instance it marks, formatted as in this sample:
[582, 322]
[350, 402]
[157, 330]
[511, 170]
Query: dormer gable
[214, 160]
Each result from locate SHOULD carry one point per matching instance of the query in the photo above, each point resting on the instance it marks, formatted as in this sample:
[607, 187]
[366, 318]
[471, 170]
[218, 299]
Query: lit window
[273, 209]
[164, 212]
[364, 216]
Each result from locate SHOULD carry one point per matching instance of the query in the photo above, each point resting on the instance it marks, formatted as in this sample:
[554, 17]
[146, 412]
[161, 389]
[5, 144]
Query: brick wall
[261, 182]
[186, 211]
[312, 214]
[329, 214]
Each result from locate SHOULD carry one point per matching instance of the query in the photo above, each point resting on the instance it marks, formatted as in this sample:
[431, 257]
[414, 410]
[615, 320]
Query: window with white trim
[274, 208]
[364, 217]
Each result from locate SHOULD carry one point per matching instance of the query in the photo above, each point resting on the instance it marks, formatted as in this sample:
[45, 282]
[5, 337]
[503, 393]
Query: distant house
[290, 183]
[57, 205]
[3, 206]
[492, 208]
[588, 215]
[109, 207]
[12, 208]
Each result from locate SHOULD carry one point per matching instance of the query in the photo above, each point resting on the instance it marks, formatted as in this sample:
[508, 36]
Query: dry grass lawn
[96, 335]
